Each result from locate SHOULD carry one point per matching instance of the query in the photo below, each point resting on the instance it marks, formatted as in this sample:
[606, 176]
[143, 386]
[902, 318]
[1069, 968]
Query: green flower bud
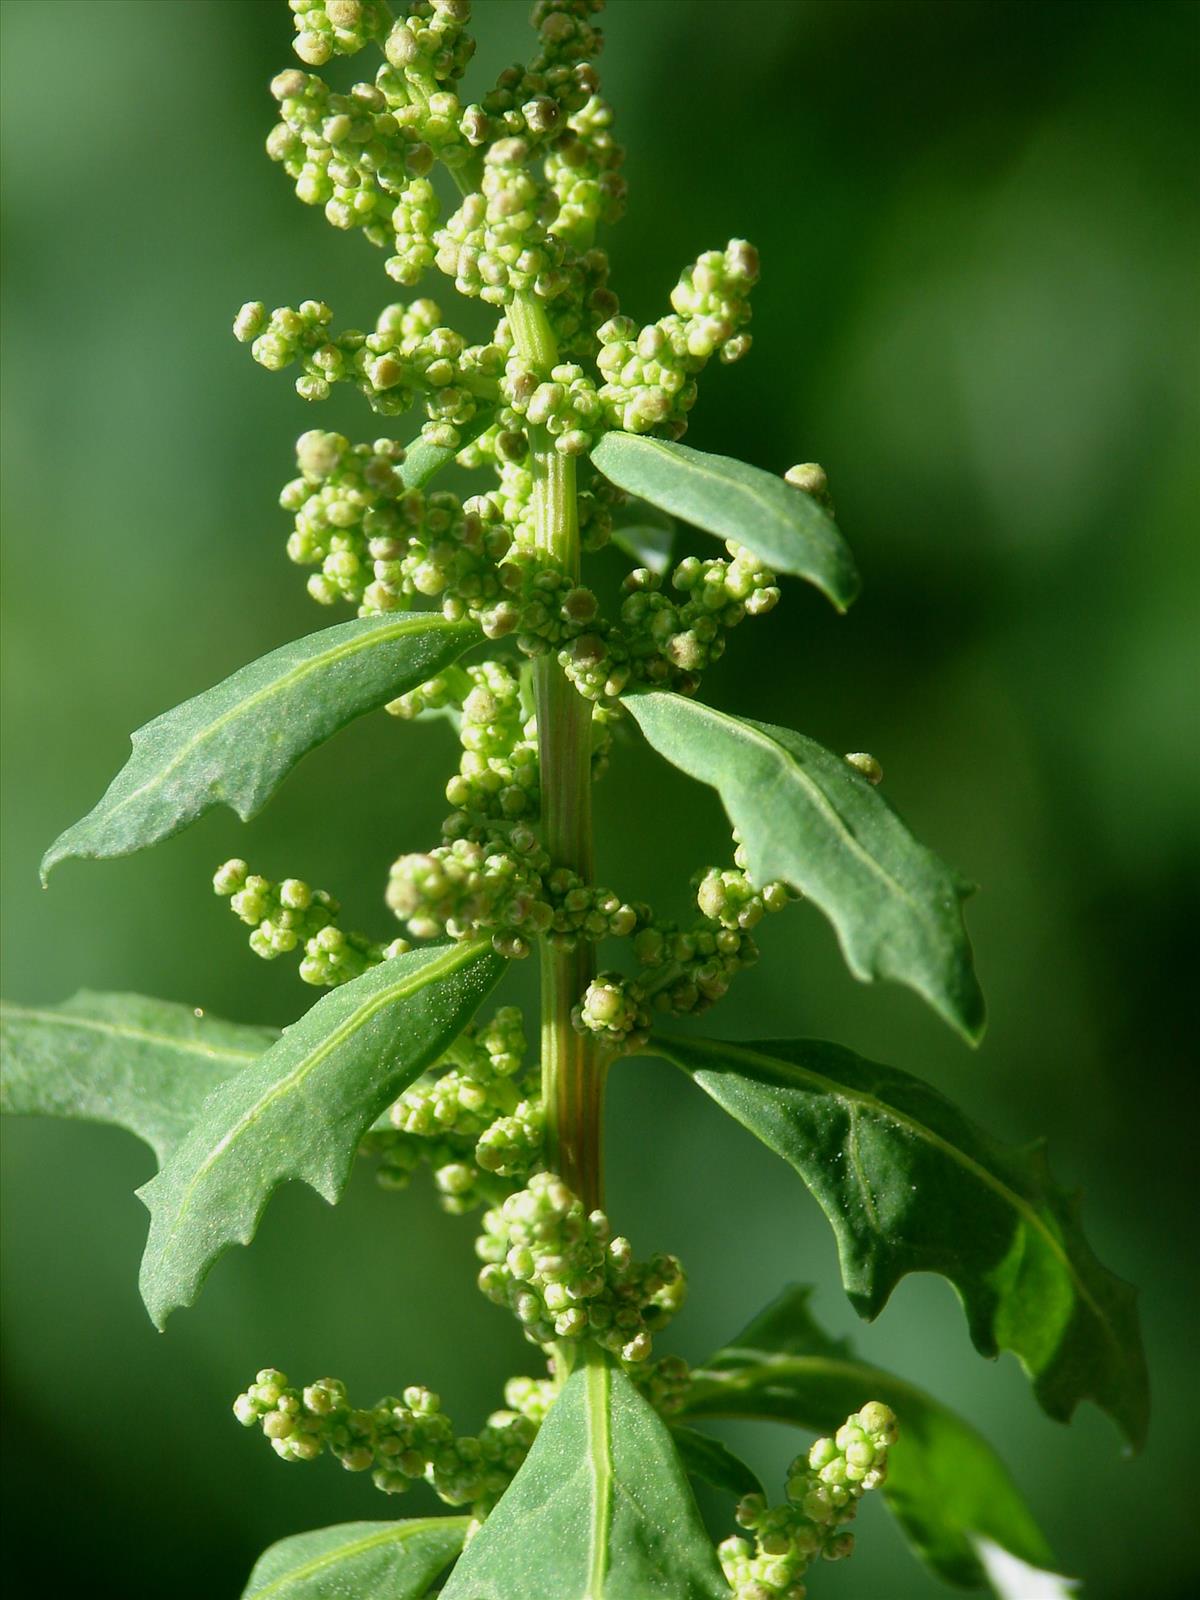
[867, 765]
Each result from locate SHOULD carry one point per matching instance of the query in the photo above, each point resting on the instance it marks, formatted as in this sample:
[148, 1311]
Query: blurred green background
[977, 220]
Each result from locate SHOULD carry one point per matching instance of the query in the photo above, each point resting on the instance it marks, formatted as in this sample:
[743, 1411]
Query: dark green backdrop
[976, 219]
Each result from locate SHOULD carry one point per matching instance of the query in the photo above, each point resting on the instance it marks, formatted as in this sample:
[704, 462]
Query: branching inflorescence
[474, 609]
[538, 169]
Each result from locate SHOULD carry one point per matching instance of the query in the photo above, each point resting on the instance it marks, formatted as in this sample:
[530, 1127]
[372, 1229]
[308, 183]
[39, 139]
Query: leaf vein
[889, 1113]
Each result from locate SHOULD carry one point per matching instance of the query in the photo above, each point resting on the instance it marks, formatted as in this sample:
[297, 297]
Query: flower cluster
[409, 356]
[474, 1119]
[405, 1441]
[301, 334]
[560, 1271]
[345, 152]
[566, 404]
[496, 244]
[428, 49]
[377, 543]
[650, 374]
[414, 222]
[823, 1491]
[290, 915]
[326, 28]
[683, 971]
[667, 642]
[497, 776]
[583, 169]
[465, 889]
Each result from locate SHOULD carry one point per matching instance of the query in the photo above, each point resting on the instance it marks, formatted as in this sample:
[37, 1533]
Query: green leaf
[423, 461]
[782, 525]
[145, 1065]
[809, 818]
[645, 533]
[600, 1510]
[366, 1560]
[945, 1484]
[236, 743]
[910, 1185]
[714, 1462]
[300, 1111]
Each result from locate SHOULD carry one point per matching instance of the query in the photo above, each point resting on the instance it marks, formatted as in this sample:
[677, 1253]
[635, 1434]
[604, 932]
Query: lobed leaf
[235, 744]
[366, 1560]
[946, 1486]
[910, 1185]
[301, 1110]
[714, 1462]
[145, 1065]
[782, 525]
[811, 819]
[600, 1509]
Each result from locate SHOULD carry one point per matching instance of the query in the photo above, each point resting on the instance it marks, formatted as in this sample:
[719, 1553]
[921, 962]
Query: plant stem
[572, 1074]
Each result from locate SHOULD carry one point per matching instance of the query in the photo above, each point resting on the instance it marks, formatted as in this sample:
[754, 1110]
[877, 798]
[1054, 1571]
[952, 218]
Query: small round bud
[809, 478]
[248, 323]
[867, 765]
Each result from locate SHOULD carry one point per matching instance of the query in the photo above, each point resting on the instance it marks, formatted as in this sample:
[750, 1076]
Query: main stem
[572, 1075]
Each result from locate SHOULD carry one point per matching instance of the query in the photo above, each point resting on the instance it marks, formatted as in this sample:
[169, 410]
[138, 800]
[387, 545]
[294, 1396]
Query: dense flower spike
[823, 1491]
[538, 171]
[650, 374]
[562, 1274]
[400, 1441]
[289, 916]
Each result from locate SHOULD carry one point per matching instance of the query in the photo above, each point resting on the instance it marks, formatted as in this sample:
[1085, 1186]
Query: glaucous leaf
[301, 1109]
[811, 819]
[235, 744]
[945, 1484]
[600, 1510]
[363, 1560]
[145, 1065]
[714, 1462]
[645, 533]
[909, 1184]
[782, 525]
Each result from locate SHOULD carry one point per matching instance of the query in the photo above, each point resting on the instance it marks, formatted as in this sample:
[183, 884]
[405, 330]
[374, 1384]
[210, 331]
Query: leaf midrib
[348, 647]
[328, 1558]
[136, 1035]
[779, 754]
[743, 1381]
[600, 1465]
[870, 1102]
[697, 465]
[358, 1018]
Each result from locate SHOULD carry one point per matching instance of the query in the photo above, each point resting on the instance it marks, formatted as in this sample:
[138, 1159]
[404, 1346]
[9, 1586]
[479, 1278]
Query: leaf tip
[50, 860]
[850, 590]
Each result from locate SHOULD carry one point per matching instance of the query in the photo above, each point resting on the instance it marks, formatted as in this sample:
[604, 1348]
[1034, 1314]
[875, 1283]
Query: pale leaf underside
[146, 1065]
